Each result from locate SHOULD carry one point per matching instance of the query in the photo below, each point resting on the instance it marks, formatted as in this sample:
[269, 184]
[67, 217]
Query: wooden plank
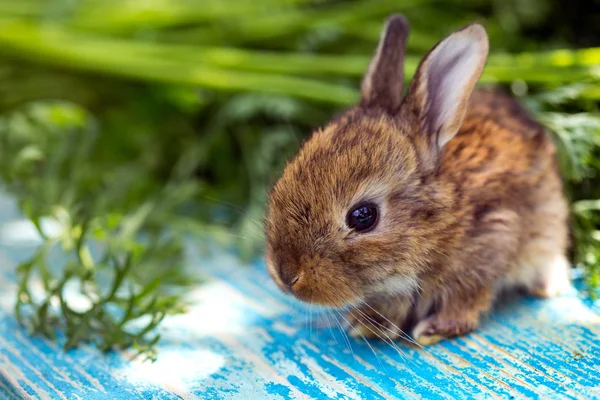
[244, 339]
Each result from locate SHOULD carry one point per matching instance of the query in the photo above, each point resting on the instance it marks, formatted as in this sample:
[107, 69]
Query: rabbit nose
[288, 277]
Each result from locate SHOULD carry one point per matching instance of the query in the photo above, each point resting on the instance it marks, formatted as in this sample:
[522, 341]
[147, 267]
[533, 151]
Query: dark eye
[362, 218]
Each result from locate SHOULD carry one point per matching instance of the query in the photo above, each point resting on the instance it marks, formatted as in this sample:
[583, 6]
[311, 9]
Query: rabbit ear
[382, 84]
[442, 85]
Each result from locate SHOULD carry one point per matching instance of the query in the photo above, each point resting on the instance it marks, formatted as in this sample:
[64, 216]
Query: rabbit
[416, 212]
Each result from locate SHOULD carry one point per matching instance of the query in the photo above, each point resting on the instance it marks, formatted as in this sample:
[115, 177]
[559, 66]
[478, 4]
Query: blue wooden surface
[244, 339]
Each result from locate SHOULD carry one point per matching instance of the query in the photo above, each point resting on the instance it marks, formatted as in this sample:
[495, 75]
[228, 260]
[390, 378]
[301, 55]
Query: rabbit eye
[363, 217]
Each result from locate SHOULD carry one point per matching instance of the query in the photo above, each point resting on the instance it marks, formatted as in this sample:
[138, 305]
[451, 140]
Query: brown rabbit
[419, 211]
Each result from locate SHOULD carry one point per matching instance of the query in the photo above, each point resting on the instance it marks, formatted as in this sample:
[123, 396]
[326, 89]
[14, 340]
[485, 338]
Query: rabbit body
[417, 212]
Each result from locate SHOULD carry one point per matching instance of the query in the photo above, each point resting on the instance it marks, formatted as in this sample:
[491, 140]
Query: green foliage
[130, 125]
[126, 281]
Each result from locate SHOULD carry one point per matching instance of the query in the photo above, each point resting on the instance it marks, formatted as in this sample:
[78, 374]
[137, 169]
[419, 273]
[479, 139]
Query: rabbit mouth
[327, 296]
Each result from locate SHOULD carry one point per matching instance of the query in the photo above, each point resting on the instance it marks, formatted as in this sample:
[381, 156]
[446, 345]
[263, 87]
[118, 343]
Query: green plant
[122, 269]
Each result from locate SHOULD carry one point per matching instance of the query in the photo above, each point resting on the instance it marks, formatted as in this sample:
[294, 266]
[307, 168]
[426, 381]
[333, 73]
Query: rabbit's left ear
[382, 84]
[440, 90]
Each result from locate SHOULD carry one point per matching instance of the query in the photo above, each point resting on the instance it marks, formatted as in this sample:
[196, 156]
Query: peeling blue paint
[277, 389]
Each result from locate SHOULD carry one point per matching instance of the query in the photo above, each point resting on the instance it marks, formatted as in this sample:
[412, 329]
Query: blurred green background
[137, 123]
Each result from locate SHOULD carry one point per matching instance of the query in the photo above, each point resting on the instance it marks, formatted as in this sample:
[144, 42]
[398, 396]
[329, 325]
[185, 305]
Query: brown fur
[458, 224]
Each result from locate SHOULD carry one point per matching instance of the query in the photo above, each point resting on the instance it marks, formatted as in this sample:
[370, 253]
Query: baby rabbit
[419, 211]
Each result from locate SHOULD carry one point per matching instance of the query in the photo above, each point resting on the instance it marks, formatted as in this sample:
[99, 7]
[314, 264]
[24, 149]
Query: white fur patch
[405, 285]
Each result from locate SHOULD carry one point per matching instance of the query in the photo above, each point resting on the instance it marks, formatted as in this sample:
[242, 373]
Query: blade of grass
[205, 67]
